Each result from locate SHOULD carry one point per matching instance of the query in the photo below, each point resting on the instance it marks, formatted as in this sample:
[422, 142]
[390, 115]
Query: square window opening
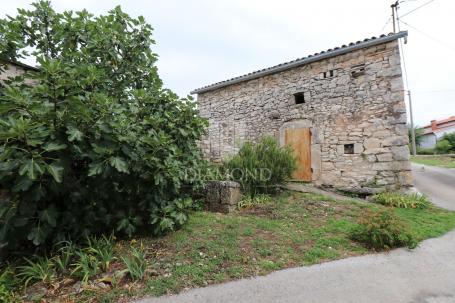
[349, 149]
[299, 98]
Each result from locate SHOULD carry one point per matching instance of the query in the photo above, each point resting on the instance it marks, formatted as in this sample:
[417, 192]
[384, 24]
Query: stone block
[405, 178]
[387, 157]
[222, 196]
[395, 140]
[372, 143]
[401, 153]
[358, 148]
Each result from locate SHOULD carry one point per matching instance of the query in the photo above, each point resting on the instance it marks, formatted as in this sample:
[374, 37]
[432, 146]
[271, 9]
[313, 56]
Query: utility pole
[394, 14]
[413, 134]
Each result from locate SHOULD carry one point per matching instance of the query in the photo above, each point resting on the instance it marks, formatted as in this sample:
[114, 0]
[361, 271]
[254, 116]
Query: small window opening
[299, 98]
[328, 74]
[358, 70]
[349, 149]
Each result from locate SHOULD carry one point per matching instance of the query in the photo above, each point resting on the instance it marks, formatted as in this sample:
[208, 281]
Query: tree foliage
[91, 142]
[419, 134]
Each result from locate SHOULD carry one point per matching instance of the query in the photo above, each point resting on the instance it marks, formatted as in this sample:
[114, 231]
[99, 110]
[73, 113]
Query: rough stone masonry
[351, 98]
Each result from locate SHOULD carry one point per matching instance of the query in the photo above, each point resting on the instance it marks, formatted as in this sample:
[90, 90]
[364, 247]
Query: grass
[292, 229]
[440, 161]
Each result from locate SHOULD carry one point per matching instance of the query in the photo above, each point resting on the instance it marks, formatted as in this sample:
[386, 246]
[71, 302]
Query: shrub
[425, 151]
[96, 143]
[260, 167]
[381, 229]
[400, 200]
[443, 147]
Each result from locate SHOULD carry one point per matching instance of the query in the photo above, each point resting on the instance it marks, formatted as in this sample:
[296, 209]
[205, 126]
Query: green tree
[96, 143]
[418, 135]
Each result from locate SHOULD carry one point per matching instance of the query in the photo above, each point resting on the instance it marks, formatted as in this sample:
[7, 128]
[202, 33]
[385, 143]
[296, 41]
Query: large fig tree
[91, 142]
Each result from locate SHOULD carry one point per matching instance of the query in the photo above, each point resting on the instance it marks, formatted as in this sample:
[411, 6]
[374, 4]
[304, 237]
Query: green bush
[400, 200]
[451, 139]
[382, 229]
[94, 143]
[425, 151]
[261, 167]
[443, 146]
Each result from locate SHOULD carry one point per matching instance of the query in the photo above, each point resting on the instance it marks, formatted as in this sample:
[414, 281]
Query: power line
[428, 36]
[419, 7]
[434, 91]
[387, 22]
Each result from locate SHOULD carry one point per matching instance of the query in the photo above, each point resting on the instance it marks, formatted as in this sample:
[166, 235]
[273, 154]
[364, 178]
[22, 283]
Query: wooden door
[300, 140]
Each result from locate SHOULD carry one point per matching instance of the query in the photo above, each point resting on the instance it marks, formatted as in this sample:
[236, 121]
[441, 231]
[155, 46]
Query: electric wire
[419, 7]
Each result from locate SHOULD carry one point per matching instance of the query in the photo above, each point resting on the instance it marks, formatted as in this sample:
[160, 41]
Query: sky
[200, 42]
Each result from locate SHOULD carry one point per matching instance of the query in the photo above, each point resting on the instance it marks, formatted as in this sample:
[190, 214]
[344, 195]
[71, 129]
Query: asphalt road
[423, 275]
[437, 183]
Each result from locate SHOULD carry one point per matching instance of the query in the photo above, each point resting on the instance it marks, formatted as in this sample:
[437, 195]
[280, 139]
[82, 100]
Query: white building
[436, 130]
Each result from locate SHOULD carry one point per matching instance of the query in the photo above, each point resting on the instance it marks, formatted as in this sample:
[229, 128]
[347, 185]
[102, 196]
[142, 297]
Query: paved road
[423, 275]
[437, 183]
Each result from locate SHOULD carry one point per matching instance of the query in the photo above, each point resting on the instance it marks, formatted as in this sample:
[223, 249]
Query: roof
[337, 51]
[447, 120]
[17, 63]
[441, 125]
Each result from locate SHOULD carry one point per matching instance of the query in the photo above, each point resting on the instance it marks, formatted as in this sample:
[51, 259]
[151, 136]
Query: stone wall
[361, 104]
[9, 70]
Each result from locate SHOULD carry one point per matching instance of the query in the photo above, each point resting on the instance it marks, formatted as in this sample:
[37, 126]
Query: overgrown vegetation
[288, 230]
[261, 167]
[397, 199]
[383, 230]
[91, 143]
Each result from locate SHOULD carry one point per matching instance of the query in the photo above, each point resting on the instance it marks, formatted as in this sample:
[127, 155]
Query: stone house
[10, 69]
[342, 110]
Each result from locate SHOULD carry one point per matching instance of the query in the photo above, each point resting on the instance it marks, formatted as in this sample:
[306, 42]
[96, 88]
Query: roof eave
[23, 65]
[304, 61]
